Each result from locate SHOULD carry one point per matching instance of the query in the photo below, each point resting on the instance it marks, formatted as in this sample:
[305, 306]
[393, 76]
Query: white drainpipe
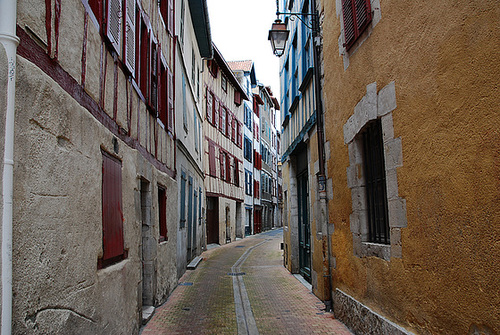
[9, 40]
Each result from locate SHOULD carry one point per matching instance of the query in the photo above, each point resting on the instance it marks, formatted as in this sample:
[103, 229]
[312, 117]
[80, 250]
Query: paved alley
[242, 288]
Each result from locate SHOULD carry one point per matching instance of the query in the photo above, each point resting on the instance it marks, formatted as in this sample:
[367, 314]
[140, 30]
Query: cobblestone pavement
[203, 303]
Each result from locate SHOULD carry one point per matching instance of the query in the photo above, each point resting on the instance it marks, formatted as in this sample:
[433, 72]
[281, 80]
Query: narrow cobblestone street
[250, 270]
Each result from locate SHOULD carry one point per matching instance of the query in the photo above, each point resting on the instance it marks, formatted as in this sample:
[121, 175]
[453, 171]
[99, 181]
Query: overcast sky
[240, 29]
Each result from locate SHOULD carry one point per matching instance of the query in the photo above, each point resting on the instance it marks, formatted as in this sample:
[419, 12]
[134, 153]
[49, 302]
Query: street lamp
[278, 36]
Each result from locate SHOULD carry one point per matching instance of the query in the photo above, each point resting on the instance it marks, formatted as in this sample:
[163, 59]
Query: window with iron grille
[374, 166]
[357, 16]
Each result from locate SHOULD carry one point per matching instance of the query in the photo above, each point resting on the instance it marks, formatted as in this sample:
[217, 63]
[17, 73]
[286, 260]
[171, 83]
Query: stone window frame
[376, 16]
[373, 106]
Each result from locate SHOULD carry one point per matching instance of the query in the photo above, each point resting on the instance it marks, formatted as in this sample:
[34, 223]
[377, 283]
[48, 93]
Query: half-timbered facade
[95, 174]
[223, 146]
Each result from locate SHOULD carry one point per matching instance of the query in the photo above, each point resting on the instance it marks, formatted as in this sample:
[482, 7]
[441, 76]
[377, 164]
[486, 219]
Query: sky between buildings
[240, 29]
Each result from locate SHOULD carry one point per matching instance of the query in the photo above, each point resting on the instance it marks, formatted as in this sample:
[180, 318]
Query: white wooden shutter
[113, 23]
[129, 49]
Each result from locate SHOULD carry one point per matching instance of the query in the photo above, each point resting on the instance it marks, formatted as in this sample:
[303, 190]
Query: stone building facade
[411, 151]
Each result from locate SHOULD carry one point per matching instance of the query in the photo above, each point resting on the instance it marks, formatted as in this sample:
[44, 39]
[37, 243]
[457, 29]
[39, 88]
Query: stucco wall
[441, 58]
[58, 219]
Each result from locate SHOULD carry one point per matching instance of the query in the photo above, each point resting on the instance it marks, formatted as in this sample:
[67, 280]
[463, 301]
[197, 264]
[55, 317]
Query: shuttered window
[162, 213]
[112, 214]
[357, 16]
[211, 159]
[113, 23]
[129, 36]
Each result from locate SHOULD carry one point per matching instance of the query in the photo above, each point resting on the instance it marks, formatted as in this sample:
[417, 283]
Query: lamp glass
[278, 36]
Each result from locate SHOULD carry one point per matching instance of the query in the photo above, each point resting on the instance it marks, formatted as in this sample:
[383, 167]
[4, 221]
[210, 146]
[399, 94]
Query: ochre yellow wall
[445, 60]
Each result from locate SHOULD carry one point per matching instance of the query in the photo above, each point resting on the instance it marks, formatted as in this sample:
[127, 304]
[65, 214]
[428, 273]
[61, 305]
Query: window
[190, 201]
[216, 112]
[170, 111]
[184, 104]
[153, 94]
[236, 172]
[162, 213]
[223, 82]
[378, 212]
[228, 168]
[195, 130]
[182, 204]
[374, 168]
[210, 99]
[357, 16]
[199, 207]
[112, 217]
[163, 90]
[222, 124]
[222, 160]
[247, 149]
[248, 182]
[238, 133]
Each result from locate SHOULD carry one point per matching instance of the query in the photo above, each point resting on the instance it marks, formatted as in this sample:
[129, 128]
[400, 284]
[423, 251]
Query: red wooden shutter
[357, 16]
[170, 25]
[209, 105]
[164, 11]
[233, 129]
[129, 36]
[144, 60]
[113, 23]
[237, 98]
[112, 215]
[211, 159]
[96, 7]
[170, 111]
